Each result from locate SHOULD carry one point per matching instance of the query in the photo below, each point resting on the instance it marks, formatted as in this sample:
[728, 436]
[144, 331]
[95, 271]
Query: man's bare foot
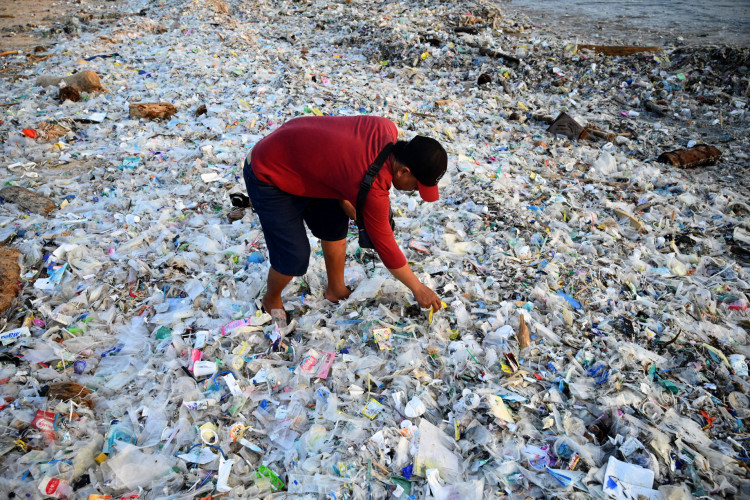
[271, 304]
[334, 295]
[278, 314]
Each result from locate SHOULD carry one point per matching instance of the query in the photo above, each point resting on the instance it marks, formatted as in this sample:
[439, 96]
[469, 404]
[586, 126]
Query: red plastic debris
[29, 132]
[709, 419]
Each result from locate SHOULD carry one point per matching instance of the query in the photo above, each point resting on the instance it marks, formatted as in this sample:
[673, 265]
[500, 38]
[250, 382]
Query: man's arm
[422, 294]
[381, 234]
[348, 209]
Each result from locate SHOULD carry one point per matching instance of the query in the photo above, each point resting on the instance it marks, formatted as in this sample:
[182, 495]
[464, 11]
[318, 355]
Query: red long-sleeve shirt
[327, 157]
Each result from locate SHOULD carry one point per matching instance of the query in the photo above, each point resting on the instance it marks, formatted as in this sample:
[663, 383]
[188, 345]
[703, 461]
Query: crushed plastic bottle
[594, 339]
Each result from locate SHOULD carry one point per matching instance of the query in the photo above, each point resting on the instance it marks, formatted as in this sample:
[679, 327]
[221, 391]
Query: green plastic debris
[163, 332]
[276, 483]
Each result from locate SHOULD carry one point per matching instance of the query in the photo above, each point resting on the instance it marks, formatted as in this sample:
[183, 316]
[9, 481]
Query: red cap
[428, 193]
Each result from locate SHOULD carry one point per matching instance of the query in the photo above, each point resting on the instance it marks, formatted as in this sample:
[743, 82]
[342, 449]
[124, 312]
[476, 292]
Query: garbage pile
[594, 341]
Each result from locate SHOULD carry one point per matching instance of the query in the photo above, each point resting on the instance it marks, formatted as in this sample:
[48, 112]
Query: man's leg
[274, 286]
[328, 222]
[280, 216]
[334, 254]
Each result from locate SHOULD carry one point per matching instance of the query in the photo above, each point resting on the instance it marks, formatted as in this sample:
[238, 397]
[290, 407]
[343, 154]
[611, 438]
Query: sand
[25, 24]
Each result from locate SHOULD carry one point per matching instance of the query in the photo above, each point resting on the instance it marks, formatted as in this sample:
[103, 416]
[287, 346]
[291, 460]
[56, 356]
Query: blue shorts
[281, 216]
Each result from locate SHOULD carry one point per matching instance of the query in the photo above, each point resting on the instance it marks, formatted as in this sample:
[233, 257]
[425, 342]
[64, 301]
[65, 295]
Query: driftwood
[569, 127]
[51, 131]
[33, 58]
[655, 108]
[10, 273]
[524, 339]
[84, 81]
[586, 180]
[27, 200]
[66, 391]
[633, 220]
[696, 156]
[616, 50]
[152, 111]
[486, 51]
[602, 134]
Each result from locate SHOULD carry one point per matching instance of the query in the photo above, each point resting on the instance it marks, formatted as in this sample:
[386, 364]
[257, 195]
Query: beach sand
[26, 24]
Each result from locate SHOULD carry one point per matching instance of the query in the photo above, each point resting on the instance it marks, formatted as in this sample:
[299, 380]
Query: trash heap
[595, 334]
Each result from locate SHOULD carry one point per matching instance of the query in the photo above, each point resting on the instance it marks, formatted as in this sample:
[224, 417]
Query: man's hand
[427, 298]
[348, 209]
[423, 294]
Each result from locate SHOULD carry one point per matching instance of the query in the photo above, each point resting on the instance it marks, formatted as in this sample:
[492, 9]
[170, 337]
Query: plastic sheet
[627, 279]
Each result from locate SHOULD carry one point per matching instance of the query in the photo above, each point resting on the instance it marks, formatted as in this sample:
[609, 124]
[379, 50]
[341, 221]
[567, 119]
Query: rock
[27, 199]
[85, 81]
[69, 94]
[221, 7]
[152, 111]
[484, 79]
[236, 214]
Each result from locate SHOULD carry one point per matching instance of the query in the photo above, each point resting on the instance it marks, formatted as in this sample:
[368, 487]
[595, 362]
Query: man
[310, 170]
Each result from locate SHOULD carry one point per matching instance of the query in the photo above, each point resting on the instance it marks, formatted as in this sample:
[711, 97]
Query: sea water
[640, 22]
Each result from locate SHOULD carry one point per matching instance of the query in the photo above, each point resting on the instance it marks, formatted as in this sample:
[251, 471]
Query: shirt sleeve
[376, 210]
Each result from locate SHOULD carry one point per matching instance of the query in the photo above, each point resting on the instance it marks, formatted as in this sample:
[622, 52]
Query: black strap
[366, 184]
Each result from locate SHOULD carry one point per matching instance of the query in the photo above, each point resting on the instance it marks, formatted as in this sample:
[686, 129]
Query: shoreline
[46, 21]
[626, 28]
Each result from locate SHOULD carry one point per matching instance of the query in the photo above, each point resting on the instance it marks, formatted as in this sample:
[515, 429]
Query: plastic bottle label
[52, 485]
